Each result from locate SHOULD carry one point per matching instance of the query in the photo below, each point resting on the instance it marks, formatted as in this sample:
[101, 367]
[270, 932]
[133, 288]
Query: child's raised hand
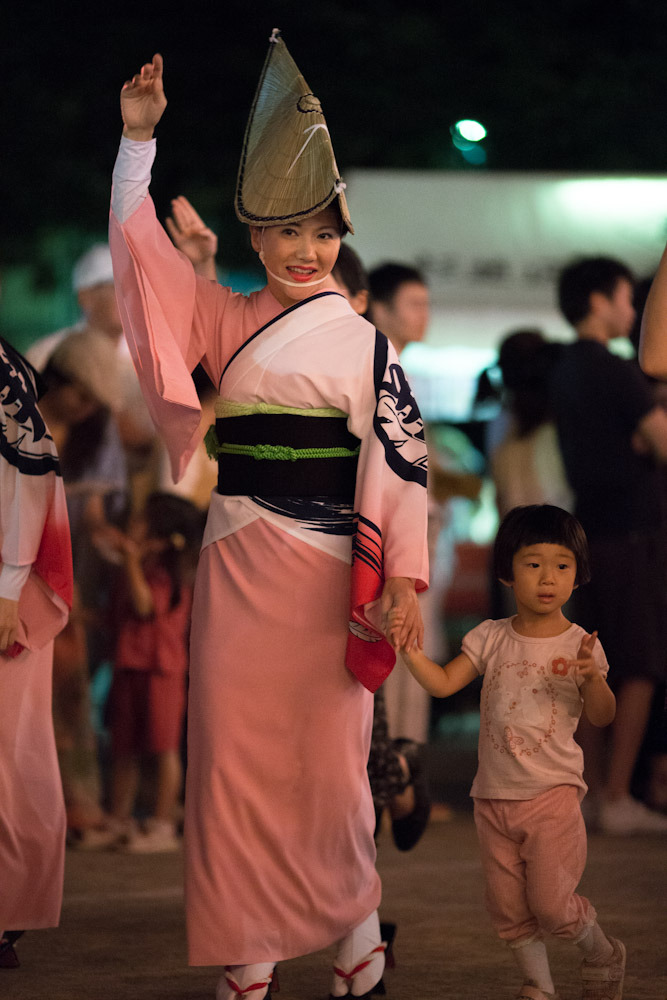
[142, 100]
[585, 664]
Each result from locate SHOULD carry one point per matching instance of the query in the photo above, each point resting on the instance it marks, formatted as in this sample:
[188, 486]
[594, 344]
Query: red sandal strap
[247, 989]
[362, 965]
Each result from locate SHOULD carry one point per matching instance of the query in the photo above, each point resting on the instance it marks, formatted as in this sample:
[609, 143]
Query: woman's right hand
[142, 101]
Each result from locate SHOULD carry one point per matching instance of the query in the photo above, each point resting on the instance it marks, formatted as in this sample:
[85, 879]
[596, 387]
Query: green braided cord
[228, 408]
[283, 453]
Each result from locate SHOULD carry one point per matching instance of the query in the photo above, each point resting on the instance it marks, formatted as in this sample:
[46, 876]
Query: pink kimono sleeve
[34, 530]
[167, 315]
[391, 505]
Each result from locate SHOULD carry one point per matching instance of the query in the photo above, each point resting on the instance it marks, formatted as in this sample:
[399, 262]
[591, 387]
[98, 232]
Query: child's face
[544, 578]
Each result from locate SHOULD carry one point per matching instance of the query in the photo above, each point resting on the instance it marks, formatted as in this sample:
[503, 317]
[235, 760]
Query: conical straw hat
[288, 169]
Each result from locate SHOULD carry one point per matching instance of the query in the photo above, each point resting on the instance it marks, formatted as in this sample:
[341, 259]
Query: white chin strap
[284, 281]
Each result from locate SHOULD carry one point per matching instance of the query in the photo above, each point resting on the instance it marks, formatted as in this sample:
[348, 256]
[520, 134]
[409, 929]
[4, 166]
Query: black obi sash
[285, 454]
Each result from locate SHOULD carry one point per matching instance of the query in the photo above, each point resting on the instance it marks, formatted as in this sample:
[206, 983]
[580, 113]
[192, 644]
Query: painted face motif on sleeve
[399, 425]
[24, 433]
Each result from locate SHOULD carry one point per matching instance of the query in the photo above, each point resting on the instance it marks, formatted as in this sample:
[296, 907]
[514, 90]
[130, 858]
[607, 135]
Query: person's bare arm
[653, 342]
[652, 431]
[441, 682]
[140, 592]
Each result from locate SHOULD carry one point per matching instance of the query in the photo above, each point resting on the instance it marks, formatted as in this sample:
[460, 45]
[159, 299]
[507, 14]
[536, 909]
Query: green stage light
[469, 130]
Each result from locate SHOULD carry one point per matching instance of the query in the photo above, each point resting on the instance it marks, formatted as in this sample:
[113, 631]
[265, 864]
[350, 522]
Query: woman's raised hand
[142, 101]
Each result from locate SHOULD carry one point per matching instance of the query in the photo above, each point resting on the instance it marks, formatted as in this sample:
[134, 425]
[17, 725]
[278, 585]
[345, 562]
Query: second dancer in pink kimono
[35, 598]
[316, 531]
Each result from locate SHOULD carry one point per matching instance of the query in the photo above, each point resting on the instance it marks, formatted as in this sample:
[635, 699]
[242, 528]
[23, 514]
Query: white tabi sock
[240, 981]
[358, 947]
[531, 957]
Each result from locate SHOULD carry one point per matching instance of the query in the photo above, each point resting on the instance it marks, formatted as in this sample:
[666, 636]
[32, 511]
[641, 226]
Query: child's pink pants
[533, 856]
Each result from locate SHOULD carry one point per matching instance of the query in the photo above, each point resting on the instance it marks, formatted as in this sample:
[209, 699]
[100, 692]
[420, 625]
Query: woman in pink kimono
[35, 597]
[316, 530]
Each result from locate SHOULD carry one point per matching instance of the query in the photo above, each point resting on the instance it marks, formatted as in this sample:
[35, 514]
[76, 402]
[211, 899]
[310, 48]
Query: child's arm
[439, 681]
[599, 700]
[140, 592]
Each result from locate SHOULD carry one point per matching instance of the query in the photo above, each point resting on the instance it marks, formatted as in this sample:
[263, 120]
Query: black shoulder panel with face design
[397, 421]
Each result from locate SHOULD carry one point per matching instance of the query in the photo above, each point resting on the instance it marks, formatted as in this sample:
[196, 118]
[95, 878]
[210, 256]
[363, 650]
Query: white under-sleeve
[131, 176]
[12, 579]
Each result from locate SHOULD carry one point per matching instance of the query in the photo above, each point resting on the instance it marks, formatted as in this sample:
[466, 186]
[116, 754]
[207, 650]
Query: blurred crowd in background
[132, 527]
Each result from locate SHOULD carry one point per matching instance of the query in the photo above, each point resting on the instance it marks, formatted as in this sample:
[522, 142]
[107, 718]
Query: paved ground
[122, 934]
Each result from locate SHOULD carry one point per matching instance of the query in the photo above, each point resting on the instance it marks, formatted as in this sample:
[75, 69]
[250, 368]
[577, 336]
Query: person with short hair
[613, 437]
[610, 281]
[93, 285]
[350, 275]
[400, 303]
[540, 673]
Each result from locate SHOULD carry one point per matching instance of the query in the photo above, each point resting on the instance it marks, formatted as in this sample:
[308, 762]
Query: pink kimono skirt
[279, 849]
[32, 808]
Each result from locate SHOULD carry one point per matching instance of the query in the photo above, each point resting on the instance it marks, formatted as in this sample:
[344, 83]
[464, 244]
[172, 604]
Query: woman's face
[301, 253]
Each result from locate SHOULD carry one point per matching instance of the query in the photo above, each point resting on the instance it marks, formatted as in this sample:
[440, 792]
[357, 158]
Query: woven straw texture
[288, 170]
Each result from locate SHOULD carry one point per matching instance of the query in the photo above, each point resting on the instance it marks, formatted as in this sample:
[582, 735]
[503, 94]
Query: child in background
[148, 692]
[540, 671]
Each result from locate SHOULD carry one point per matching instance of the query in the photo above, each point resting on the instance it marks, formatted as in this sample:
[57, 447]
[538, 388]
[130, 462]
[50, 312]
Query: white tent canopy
[491, 244]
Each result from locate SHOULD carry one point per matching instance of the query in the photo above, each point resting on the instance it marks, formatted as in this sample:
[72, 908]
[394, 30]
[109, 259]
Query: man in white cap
[92, 280]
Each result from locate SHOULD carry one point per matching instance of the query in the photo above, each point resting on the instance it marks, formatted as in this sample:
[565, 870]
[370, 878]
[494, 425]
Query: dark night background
[565, 85]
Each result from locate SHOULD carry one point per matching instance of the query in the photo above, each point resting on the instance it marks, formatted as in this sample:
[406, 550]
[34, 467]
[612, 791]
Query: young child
[539, 672]
[147, 697]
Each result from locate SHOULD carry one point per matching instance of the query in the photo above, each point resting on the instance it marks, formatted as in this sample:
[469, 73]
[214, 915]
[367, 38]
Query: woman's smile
[300, 272]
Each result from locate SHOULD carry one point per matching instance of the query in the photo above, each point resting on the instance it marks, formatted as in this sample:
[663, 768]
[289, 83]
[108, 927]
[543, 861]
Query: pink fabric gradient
[279, 814]
[32, 828]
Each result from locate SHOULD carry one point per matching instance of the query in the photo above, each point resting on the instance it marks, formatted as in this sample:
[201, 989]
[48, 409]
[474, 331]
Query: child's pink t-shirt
[530, 708]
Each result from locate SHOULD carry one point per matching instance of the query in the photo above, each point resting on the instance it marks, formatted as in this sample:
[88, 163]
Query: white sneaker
[625, 817]
[92, 838]
[158, 837]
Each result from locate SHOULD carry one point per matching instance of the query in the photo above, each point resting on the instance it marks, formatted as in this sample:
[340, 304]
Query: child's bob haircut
[539, 524]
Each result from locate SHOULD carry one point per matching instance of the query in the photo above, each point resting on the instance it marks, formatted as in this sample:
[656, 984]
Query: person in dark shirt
[613, 437]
